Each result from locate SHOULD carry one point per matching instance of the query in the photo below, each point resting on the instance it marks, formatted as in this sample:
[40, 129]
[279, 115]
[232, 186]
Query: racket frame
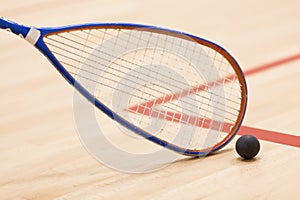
[23, 32]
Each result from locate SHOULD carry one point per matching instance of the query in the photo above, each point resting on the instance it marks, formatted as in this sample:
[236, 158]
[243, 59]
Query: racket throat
[33, 36]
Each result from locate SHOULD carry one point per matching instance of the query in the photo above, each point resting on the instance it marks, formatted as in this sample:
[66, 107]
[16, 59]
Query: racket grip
[3, 24]
[13, 27]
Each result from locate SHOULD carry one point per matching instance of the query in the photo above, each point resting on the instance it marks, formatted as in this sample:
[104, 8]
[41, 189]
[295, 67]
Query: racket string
[119, 68]
[103, 52]
[99, 30]
[146, 99]
[104, 77]
[193, 52]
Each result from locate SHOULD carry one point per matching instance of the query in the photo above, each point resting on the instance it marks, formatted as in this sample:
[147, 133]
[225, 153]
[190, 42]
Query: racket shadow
[194, 158]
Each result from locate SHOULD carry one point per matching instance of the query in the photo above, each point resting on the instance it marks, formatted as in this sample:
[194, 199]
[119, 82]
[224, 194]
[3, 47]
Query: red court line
[271, 65]
[174, 96]
[271, 136]
[186, 119]
[267, 135]
[196, 89]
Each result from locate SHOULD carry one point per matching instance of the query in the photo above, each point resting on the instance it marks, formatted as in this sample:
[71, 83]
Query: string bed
[172, 87]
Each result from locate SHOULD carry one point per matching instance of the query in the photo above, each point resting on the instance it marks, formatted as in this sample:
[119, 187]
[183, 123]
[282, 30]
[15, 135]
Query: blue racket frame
[23, 30]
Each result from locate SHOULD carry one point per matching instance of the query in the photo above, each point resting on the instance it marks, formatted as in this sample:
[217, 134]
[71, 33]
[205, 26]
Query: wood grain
[42, 157]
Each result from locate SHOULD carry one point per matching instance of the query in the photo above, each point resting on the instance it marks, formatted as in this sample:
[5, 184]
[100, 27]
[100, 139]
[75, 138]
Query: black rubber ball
[247, 146]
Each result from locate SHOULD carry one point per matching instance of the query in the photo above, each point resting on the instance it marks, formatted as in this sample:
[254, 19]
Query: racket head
[44, 47]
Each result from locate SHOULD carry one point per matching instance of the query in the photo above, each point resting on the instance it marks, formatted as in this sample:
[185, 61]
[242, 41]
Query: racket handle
[11, 26]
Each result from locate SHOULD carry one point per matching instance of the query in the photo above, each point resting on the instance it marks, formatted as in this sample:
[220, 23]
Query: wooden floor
[40, 152]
